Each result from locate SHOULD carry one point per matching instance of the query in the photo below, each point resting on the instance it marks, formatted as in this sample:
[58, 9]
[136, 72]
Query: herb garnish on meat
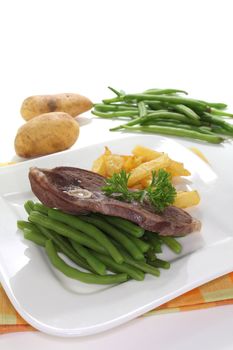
[160, 193]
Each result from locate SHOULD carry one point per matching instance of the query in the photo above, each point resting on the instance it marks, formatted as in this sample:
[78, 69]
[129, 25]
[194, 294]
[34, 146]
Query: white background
[84, 46]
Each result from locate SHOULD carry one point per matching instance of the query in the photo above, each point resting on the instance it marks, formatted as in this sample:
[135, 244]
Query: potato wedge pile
[140, 164]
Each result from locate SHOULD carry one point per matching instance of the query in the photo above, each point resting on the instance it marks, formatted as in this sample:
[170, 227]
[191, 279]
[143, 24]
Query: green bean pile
[98, 244]
[164, 111]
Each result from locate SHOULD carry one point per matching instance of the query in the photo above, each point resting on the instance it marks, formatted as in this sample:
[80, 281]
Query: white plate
[60, 306]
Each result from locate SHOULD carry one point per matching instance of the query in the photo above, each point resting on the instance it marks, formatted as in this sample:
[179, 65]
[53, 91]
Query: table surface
[70, 46]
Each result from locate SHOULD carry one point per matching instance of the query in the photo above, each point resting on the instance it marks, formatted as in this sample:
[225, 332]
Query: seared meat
[78, 191]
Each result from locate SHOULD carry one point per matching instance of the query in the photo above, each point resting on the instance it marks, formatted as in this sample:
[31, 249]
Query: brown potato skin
[73, 104]
[46, 134]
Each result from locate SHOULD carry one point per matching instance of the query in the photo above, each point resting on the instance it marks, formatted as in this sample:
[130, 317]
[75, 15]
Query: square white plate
[57, 305]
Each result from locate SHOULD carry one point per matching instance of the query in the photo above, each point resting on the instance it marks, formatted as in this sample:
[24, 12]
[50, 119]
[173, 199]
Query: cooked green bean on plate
[105, 248]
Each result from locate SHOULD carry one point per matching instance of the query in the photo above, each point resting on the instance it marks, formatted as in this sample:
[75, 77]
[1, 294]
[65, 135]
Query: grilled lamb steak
[78, 191]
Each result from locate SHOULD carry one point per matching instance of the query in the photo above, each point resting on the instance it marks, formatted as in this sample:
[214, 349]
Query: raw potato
[48, 133]
[72, 104]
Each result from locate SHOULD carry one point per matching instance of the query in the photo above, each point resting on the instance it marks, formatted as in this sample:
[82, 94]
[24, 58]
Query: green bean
[216, 105]
[172, 124]
[133, 122]
[124, 267]
[65, 231]
[142, 245]
[125, 105]
[112, 231]
[160, 263]
[71, 272]
[152, 117]
[186, 111]
[220, 113]
[154, 241]
[176, 132]
[164, 115]
[89, 229]
[65, 248]
[125, 225]
[91, 259]
[113, 100]
[115, 114]
[61, 243]
[21, 224]
[150, 255]
[171, 107]
[167, 122]
[174, 116]
[189, 114]
[172, 243]
[213, 119]
[115, 91]
[33, 236]
[142, 111]
[156, 244]
[160, 114]
[161, 120]
[155, 105]
[163, 98]
[28, 206]
[217, 129]
[141, 265]
[41, 208]
[99, 107]
[163, 91]
[206, 129]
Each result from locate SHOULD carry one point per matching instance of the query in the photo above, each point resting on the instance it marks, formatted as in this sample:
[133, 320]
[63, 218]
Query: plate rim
[71, 333]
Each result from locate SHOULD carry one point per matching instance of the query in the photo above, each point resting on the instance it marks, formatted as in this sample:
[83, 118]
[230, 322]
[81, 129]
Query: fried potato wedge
[146, 153]
[186, 199]
[113, 164]
[98, 166]
[177, 169]
[131, 162]
[144, 170]
[141, 164]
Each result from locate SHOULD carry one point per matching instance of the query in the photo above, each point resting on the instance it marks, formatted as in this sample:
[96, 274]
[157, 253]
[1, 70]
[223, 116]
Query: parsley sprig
[160, 193]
